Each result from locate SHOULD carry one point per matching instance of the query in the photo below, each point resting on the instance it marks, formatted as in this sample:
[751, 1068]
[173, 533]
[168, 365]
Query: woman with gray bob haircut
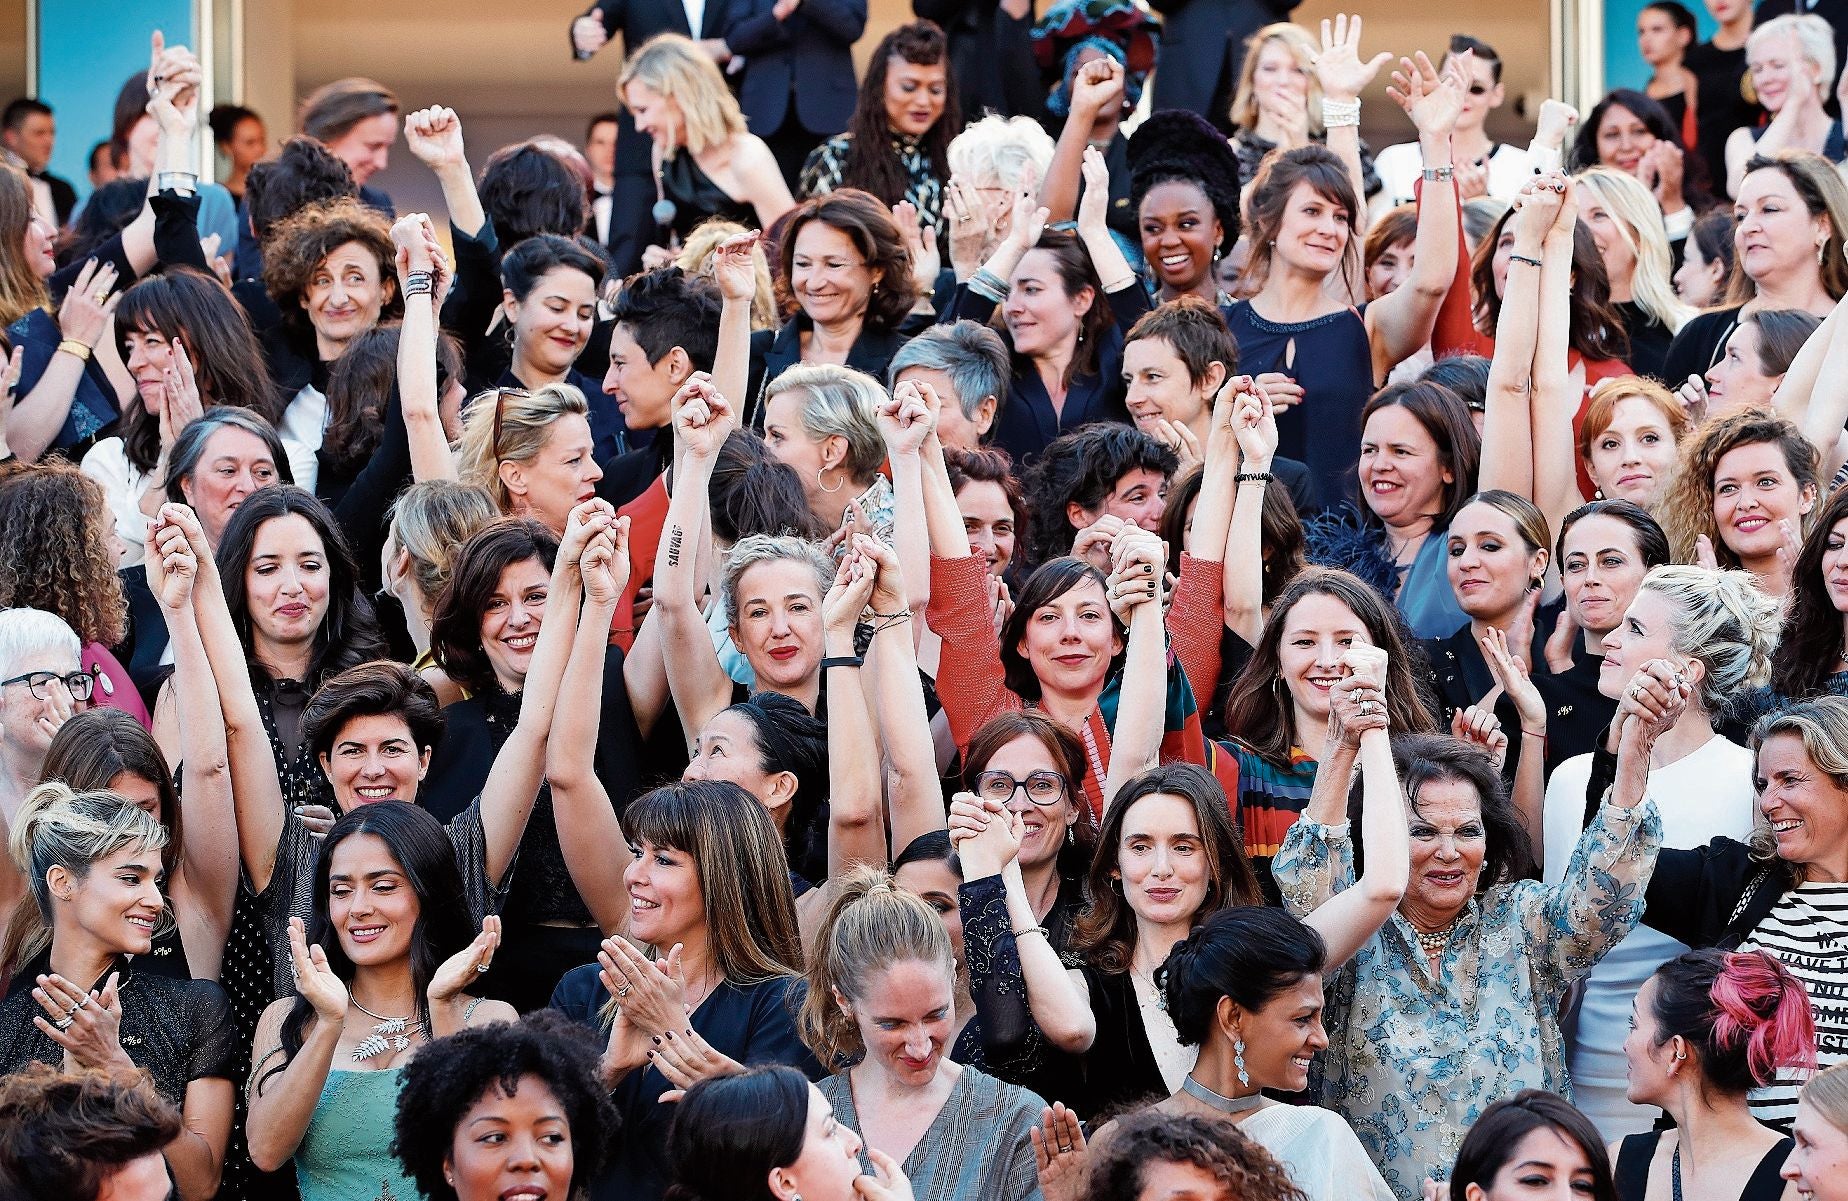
[967, 363]
[221, 457]
[820, 419]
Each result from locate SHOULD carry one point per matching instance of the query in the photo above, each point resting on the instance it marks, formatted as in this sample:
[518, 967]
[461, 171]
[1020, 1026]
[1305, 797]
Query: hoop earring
[819, 472]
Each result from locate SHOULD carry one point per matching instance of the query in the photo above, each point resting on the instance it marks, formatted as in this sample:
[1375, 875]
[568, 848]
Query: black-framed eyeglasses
[1042, 787]
[80, 684]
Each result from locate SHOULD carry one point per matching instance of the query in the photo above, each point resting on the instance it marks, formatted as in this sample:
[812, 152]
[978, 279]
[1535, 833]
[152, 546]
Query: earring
[508, 333]
[1071, 835]
[822, 484]
[1822, 248]
[1238, 1061]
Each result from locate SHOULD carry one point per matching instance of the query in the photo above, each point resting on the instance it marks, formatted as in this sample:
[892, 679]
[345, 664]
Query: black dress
[1636, 1151]
[696, 198]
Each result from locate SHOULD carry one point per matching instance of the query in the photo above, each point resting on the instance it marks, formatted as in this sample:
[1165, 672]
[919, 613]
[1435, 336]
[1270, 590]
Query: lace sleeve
[996, 982]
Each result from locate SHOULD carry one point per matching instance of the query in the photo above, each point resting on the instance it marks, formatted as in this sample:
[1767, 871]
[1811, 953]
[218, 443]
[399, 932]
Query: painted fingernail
[657, 1038]
[670, 1035]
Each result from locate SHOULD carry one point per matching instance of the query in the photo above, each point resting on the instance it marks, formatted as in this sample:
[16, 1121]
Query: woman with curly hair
[1157, 1155]
[1742, 496]
[495, 1109]
[332, 270]
[1098, 478]
[897, 142]
[58, 553]
[1183, 187]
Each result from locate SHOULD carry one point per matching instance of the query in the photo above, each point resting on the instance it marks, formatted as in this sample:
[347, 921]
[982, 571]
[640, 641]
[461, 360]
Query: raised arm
[1344, 76]
[596, 853]
[1350, 917]
[1814, 392]
[1094, 230]
[1254, 425]
[434, 136]
[1095, 86]
[702, 420]
[1137, 558]
[1507, 422]
[513, 782]
[914, 794]
[1557, 390]
[209, 856]
[1400, 323]
[421, 272]
[906, 419]
[855, 834]
[733, 268]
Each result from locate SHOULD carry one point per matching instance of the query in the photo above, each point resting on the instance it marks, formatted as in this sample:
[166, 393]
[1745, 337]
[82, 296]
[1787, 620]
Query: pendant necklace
[391, 1034]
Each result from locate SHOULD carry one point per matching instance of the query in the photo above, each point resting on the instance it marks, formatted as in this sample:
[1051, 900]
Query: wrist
[837, 643]
[1435, 148]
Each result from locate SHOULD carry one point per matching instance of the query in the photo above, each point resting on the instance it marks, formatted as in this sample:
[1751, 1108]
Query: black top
[1698, 345]
[753, 1024]
[1721, 104]
[177, 1031]
[696, 198]
[1636, 1151]
[776, 351]
[1713, 895]
[1577, 714]
[1649, 339]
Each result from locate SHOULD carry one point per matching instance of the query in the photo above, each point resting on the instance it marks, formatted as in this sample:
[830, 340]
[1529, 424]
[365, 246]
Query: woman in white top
[1716, 630]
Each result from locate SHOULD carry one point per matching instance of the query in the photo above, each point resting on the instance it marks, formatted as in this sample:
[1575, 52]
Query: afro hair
[1179, 145]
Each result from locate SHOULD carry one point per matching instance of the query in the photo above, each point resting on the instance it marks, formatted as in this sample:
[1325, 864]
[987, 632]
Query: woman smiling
[1742, 496]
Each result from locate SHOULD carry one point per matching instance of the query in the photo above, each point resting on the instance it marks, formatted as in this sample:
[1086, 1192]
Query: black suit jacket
[637, 21]
[815, 45]
[63, 197]
[1202, 44]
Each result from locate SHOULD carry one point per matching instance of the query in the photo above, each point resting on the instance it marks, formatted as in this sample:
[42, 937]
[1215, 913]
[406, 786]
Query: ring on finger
[64, 1023]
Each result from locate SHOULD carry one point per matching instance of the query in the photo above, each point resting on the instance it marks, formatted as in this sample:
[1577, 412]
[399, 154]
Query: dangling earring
[508, 333]
[1071, 835]
[1238, 1061]
[819, 483]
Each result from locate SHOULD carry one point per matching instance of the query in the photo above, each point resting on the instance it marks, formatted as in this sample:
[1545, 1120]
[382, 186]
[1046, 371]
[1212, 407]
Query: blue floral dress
[1415, 1057]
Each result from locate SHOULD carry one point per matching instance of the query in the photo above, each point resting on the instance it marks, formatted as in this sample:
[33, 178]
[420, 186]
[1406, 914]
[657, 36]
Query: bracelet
[419, 283]
[986, 283]
[886, 623]
[1521, 258]
[841, 661]
[1442, 174]
[1337, 114]
[1540, 734]
[890, 616]
[1026, 930]
[1253, 477]
[176, 181]
[73, 346]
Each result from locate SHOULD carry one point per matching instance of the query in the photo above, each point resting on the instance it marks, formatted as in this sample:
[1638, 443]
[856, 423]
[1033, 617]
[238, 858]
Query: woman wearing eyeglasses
[41, 685]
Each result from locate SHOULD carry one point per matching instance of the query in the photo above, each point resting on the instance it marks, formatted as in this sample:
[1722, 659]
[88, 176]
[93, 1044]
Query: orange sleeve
[970, 682]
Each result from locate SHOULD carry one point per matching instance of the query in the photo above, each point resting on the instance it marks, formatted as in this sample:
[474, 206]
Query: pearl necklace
[1434, 941]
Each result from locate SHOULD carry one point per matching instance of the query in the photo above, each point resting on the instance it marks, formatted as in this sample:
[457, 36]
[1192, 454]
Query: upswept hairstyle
[1249, 953]
[381, 688]
[1067, 755]
[1823, 194]
[1490, 1144]
[431, 520]
[300, 243]
[189, 445]
[1446, 419]
[305, 172]
[1687, 504]
[421, 847]
[58, 827]
[1812, 638]
[21, 289]
[1082, 468]
[332, 110]
[868, 224]
[360, 386]
[447, 1078]
[65, 1134]
[973, 357]
[1639, 226]
[1257, 707]
[1821, 724]
[1212, 1145]
[1827, 1092]
[731, 1131]
[1049, 581]
[753, 549]
[743, 874]
[1651, 542]
[349, 632]
[791, 739]
[667, 307]
[191, 308]
[1594, 329]
[871, 925]
[1422, 759]
[1611, 392]
[1178, 146]
[1268, 197]
[1726, 621]
[678, 70]
[475, 572]
[1743, 1013]
[837, 402]
[872, 164]
[1295, 39]
[753, 492]
[1105, 933]
[55, 529]
[510, 425]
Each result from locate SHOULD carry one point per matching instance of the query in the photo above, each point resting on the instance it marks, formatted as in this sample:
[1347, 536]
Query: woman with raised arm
[93, 863]
[1792, 66]
[381, 968]
[1304, 228]
[1473, 941]
[1716, 631]
[1705, 1029]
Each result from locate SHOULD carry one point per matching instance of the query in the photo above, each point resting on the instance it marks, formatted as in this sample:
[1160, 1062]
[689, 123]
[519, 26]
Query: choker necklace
[1223, 1104]
[391, 1034]
[1434, 941]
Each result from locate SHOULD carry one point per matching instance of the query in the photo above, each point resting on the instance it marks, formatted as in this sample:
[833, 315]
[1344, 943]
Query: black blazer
[991, 57]
[1202, 44]
[637, 21]
[774, 351]
[815, 45]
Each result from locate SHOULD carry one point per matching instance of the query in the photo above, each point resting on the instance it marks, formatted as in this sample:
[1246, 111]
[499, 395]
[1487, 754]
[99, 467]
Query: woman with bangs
[1630, 439]
[1304, 227]
[1626, 224]
[187, 344]
[703, 973]
[534, 451]
[1277, 102]
[1742, 496]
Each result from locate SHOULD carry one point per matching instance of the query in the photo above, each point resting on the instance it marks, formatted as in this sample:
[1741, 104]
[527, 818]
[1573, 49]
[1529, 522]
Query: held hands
[414, 235]
[88, 1025]
[1432, 101]
[434, 136]
[888, 582]
[1654, 700]
[88, 309]
[462, 969]
[170, 563]
[848, 596]
[734, 267]
[1254, 422]
[588, 520]
[1137, 558]
[986, 835]
[1097, 86]
[173, 87]
[605, 564]
[1537, 209]
[1357, 702]
[905, 419]
[1339, 67]
[314, 979]
[1059, 1150]
[703, 419]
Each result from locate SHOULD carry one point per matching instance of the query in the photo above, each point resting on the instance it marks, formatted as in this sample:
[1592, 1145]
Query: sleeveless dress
[346, 1153]
[1637, 1151]
[696, 198]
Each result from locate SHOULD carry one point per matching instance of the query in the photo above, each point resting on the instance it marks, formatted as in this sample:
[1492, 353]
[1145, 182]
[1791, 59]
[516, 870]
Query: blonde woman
[1626, 223]
[1821, 1151]
[1790, 61]
[532, 451]
[1278, 104]
[706, 163]
[429, 522]
[697, 258]
[991, 162]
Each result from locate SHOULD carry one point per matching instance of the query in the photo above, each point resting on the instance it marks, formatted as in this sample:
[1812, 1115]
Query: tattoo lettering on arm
[675, 538]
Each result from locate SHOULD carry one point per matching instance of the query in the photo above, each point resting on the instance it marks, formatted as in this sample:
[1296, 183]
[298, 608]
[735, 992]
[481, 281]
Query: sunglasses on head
[500, 408]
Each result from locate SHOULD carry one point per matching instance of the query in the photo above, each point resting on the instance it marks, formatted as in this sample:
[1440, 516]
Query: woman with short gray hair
[819, 419]
[41, 685]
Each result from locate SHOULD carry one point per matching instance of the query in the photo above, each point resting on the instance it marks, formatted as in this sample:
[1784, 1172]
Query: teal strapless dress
[346, 1153]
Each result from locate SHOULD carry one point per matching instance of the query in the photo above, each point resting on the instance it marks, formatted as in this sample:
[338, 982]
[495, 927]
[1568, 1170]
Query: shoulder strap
[1631, 1171]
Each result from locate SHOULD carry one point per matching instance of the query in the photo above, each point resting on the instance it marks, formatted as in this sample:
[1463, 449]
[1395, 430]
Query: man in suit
[1202, 48]
[632, 195]
[780, 42]
[28, 131]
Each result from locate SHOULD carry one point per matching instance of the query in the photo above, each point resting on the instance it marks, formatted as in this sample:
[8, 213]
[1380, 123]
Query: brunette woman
[1809, 659]
[1742, 496]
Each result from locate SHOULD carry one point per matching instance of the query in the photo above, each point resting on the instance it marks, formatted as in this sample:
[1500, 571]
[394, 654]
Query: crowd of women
[1061, 664]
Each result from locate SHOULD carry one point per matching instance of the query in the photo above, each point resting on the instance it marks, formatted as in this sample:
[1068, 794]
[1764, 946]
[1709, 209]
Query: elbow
[265, 1156]
[1383, 892]
[1073, 1039]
